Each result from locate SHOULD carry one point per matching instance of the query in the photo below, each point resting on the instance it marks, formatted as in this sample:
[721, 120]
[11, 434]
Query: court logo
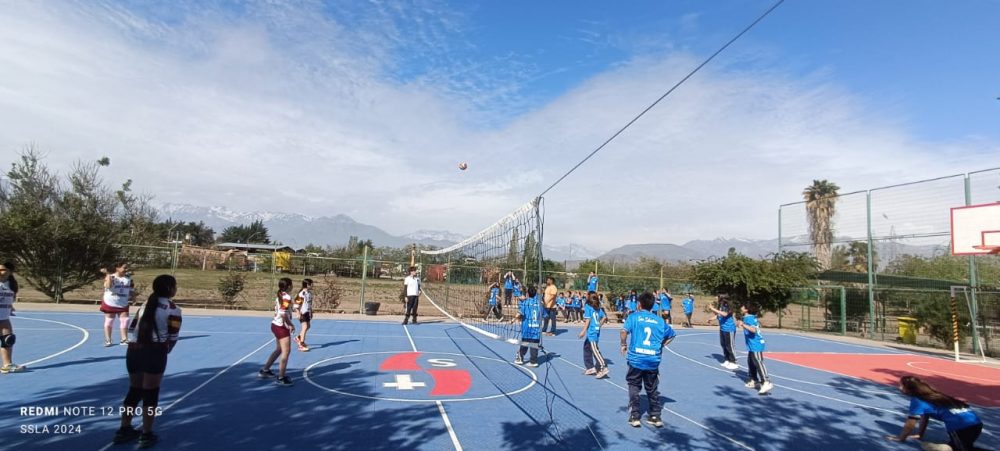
[441, 375]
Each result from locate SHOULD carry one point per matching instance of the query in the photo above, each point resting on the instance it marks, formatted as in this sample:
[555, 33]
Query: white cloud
[280, 108]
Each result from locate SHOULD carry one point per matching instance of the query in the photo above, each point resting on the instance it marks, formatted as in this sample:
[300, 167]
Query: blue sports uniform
[727, 334]
[688, 305]
[755, 350]
[517, 290]
[592, 283]
[596, 316]
[493, 295]
[647, 333]
[531, 333]
[665, 301]
[591, 350]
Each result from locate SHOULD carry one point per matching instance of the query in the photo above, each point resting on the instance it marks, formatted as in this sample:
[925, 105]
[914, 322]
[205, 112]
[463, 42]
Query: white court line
[86, 335]
[444, 414]
[165, 409]
[795, 389]
[673, 412]
[99, 314]
[912, 365]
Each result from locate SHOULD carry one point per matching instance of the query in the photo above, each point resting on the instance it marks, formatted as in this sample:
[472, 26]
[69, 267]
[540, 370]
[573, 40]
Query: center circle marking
[534, 378]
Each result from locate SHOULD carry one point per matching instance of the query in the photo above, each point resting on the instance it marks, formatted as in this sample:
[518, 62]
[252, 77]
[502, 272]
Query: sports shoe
[124, 342]
[265, 374]
[602, 374]
[298, 340]
[634, 422]
[731, 365]
[147, 440]
[107, 343]
[303, 348]
[590, 372]
[125, 435]
[654, 420]
[751, 384]
[283, 381]
[765, 387]
[518, 361]
[531, 364]
[12, 368]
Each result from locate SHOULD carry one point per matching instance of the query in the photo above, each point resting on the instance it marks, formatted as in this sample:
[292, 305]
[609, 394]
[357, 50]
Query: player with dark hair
[926, 402]
[665, 304]
[119, 291]
[727, 331]
[649, 334]
[412, 284]
[595, 317]
[508, 286]
[494, 308]
[303, 303]
[530, 315]
[153, 333]
[282, 328]
[688, 304]
[592, 282]
[755, 349]
[8, 291]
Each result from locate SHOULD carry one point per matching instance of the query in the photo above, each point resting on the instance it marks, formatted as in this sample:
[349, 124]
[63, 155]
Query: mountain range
[297, 230]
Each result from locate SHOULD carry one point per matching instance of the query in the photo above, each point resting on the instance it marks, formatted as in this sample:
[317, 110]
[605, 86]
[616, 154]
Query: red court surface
[973, 383]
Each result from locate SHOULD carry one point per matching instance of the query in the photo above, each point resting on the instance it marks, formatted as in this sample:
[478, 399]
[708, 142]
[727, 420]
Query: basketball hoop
[988, 248]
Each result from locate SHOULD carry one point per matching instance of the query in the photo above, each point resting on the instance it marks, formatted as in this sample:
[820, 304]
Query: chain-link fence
[889, 265]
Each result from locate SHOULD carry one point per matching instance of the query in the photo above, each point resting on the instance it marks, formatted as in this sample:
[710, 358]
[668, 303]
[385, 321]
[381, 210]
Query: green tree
[765, 282]
[63, 233]
[255, 232]
[821, 200]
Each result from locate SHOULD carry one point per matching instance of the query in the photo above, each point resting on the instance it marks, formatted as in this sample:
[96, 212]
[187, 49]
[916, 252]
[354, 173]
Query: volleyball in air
[463, 166]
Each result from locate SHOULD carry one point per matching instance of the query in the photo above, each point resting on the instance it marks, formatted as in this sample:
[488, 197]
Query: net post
[364, 277]
[871, 274]
[954, 322]
[843, 310]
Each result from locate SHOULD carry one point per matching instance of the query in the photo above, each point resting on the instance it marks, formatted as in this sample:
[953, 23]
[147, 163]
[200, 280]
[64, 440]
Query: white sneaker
[766, 387]
[602, 374]
[732, 365]
[751, 384]
[518, 361]
[531, 364]
[590, 372]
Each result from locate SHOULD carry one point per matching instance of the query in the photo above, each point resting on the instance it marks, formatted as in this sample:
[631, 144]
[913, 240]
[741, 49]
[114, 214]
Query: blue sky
[366, 107]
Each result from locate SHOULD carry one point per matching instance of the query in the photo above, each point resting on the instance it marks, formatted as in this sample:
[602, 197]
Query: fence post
[364, 277]
[871, 275]
[973, 282]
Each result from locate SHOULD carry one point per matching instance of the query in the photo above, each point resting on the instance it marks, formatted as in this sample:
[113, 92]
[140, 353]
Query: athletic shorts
[110, 309]
[305, 317]
[151, 358]
[280, 331]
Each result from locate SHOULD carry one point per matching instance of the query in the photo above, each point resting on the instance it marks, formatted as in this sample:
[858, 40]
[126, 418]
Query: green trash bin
[907, 329]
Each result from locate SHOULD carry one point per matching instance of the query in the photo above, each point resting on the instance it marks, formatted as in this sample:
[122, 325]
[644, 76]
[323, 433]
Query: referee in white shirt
[412, 283]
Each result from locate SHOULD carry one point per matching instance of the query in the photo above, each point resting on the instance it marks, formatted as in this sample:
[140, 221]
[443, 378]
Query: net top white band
[489, 231]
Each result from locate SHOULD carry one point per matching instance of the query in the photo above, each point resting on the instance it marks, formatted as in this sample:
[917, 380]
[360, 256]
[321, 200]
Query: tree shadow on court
[191, 337]
[238, 410]
[83, 361]
[330, 343]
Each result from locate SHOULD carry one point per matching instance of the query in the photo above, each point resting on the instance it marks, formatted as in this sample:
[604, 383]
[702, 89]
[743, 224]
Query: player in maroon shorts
[119, 291]
[303, 303]
[282, 328]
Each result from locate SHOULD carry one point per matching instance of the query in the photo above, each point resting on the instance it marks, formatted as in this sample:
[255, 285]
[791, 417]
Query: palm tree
[821, 200]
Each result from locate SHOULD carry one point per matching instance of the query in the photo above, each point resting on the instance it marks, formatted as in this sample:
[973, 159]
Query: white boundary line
[86, 335]
[444, 414]
[165, 409]
[962, 376]
[678, 414]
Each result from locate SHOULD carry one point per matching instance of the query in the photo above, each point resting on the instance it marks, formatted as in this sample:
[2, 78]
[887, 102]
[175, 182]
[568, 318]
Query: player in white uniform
[303, 303]
[7, 337]
[152, 335]
[118, 293]
[282, 328]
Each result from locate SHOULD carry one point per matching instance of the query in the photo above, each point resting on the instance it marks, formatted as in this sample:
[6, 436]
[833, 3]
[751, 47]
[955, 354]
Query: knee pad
[150, 397]
[7, 341]
[133, 396]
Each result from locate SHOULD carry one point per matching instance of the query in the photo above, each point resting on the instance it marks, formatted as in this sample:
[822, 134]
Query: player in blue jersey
[494, 303]
[665, 304]
[755, 349]
[518, 295]
[643, 338]
[561, 304]
[530, 314]
[926, 402]
[727, 332]
[508, 287]
[688, 309]
[595, 317]
[631, 304]
[592, 282]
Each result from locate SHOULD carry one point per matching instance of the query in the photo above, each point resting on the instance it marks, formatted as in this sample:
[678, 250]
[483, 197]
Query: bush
[230, 286]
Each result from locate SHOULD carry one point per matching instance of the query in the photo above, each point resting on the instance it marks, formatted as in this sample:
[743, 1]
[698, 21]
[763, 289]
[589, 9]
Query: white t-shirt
[304, 301]
[118, 293]
[281, 306]
[412, 285]
[6, 300]
[168, 322]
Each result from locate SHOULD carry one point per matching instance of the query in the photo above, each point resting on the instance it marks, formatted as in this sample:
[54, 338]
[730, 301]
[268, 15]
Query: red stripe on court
[450, 382]
[404, 361]
[973, 383]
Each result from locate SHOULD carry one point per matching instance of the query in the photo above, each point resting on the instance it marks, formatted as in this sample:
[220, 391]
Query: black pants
[494, 311]
[592, 353]
[529, 343]
[506, 296]
[728, 343]
[411, 308]
[637, 380]
[963, 439]
[550, 316]
[755, 365]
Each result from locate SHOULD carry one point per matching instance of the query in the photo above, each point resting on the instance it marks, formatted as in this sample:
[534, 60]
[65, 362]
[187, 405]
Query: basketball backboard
[975, 229]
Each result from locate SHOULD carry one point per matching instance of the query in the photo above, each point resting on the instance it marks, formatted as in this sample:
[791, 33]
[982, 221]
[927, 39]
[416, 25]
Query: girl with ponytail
[926, 402]
[282, 328]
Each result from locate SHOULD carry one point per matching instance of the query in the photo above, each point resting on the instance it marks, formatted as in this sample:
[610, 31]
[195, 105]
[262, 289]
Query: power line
[679, 83]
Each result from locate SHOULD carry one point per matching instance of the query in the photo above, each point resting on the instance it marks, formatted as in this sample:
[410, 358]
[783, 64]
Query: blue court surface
[435, 386]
